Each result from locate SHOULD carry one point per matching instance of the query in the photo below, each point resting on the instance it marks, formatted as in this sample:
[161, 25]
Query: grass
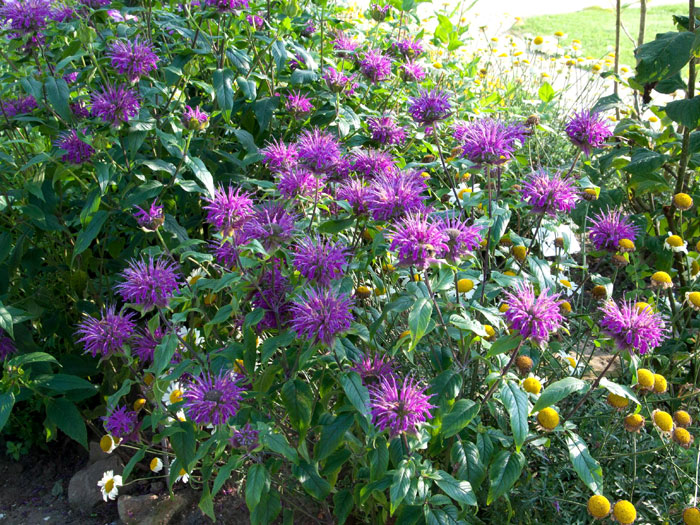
[595, 28]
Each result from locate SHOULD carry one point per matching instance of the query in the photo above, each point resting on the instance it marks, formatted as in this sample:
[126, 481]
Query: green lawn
[595, 28]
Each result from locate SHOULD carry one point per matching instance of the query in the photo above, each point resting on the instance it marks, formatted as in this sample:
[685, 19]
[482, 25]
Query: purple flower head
[95, 4]
[430, 106]
[107, 334]
[271, 295]
[227, 5]
[609, 228]
[18, 106]
[133, 59]
[399, 407]
[318, 150]
[393, 195]
[373, 162]
[587, 130]
[152, 218]
[245, 437]
[299, 182]
[145, 342]
[298, 105]
[356, 192]
[271, 224]
[121, 423]
[379, 12]
[550, 194]
[61, 13]
[418, 241]
[25, 17]
[321, 315]
[71, 77]
[229, 209]
[7, 346]
[77, 151]
[320, 260]
[255, 21]
[373, 368]
[344, 46]
[632, 327]
[375, 66]
[79, 110]
[115, 104]
[225, 251]
[296, 63]
[535, 317]
[118, 17]
[385, 131]
[461, 238]
[489, 141]
[407, 48]
[279, 156]
[194, 119]
[149, 283]
[309, 29]
[336, 80]
[213, 400]
[411, 72]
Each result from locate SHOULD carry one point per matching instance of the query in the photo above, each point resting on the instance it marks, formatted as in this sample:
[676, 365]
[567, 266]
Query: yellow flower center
[660, 384]
[617, 401]
[548, 418]
[598, 506]
[565, 307]
[465, 285]
[463, 192]
[626, 244]
[683, 201]
[633, 422]
[663, 420]
[691, 516]
[109, 486]
[681, 436]
[155, 463]
[182, 472]
[503, 308]
[559, 33]
[489, 330]
[519, 252]
[641, 306]
[675, 241]
[139, 404]
[106, 443]
[148, 379]
[625, 512]
[661, 277]
[565, 282]
[694, 298]
[532, 385]
[682, 418]
[379, 291]
[645, 378]
[176, 396]
[538, 40]
[571, 361]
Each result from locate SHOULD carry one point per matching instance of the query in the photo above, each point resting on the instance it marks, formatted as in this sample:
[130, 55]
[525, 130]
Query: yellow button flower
[661, 280]
[624, 512]
[598, 506]
[660, 384]
[548, 418]
[645, 379]
[682, 419]
[524, 364]
[662, 420]
[634, 422]
[618, 402]
[538, 40]
[532, 385]
[691, 516]
[465, 285]
[682, 201]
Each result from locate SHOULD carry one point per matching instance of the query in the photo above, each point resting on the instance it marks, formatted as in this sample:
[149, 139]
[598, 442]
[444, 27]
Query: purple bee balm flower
[121, 423]
[61, 13]
[79, 110]
[550, 194]
[309, 29]
[609, 228]
[106, 335]
[145, 342]
[356, 192]
[373, 368]
[194, 119]
[385, 131]
[279, 156]
[536, 317]
[227, 5]
[71, 77]
[118, 17]
[633, 327]
[318, 150]
[133, 59]
[321, 315]
[399, 407]
[271, 295]
[245, 437]
[336, 80]
[411, 72]
[296, 63]
[372, 162]
[7, 346]
[115, 104]
[25, 17]
[150, 219]
[225, 251]
[149, 283]
[213, 400]
[393, 195]
[229, 209]
[298, 104]
[430, 106]
[379, 12]
[461, 238]
[300, 182]
[375, 66]
[18, 106]
[344, 46]
[271, 224]
[587, 130]
[489, 141]
[320, 260]
[77, 151]
[418, 241]
[407, 48]
[95, 4]
[255, 21]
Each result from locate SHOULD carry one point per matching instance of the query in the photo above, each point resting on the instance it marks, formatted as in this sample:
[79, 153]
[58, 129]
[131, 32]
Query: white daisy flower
[676, 243]
[567, 287]
[109, 443]
[109, 484]
[574, 366]
[532, 384]
[173, 394]
[194, 276]
[156, 465]
[182, 476]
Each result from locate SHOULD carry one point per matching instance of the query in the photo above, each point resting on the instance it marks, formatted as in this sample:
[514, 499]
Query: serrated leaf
[503, 473]
[460, 491]
[257, 484]
[463, 411]
[517, 405]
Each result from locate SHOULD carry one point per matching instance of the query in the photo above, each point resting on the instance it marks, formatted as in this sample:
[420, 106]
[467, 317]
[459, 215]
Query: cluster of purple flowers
[386, 131]
[228, 209]
[393, 195]
[271, 295]
[144, 343]
[399, 406]
[18, 106]
[407, 48]
[7, 345]
[418, 241]
[321, 314]
[77, 151]
[337, 81]
[587, 130]
[245, 437]
[550, 194]
[107, 334]
[213, 400]
[534, 316]
[609, 228]
[150, 219]
[115, 104]
[133, 59]
[375, 66]
[320, 260]
[489, 141]
[149, 283]
[26, 17]
[633, 327]
[430, 106]
[121, 423]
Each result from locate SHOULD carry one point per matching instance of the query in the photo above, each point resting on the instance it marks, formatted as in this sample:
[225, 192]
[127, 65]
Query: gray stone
[96, 453]
[150, 509]
[83, 492]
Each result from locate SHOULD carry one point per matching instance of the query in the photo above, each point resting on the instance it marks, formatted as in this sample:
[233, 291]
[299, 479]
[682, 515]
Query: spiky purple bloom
[115, 104]
[430, 106]
[300, 182]
[535, 317]
[271, 224]
[344, 46]
[550, 194]
[150, 219]
[408, 48]
[225, 250]
[61, 13]
[633, 328]
[255, 21]
[118, 17]
[79, 110]
[25, 17]
[356, 192]
[280, 156]
[227, 5]
[375, 66]
[95, 4]
[229, 209]
[76, 150]
[489, 141]
[393, 195]
[296, 63]
[298, 104]
[213, 400]
[245, 437]
[309, 29]
[7, 346]
[418, 241]
[379, 12]
[372, 162]
[386, 131]
[321, 314]
[411, 72]
[107, 334]
[194, 119]
[71, 77]
[461, 237]
[133, 59]
[374, 367]
[149, 283]
[121, 423]
[399, 406]
[320, 260]
[144, 344]
[609, 228]
[318, 150]
[587, 130]
[18, 106]
[336, 80]
[271, 295]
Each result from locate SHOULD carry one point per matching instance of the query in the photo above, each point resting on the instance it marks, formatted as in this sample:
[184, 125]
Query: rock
[157, 487]
[150, 509]
[83, 492]
[96, 453]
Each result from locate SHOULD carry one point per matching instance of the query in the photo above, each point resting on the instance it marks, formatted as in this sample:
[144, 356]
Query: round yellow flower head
[641, 306]
[149, 379]
[599, 292]
[590, 194]
[548, 418]
[437, 65]
[682, 419]
[626, 245]
[363, 292]
[465, 285]
[624, 512]
[691, 516]
[682, 201]
[660, 384]
[661, 280]
[565, 307]
[598, 506]
[559, 33]
[503, 308]
[662, 420]
[524, 364]
[538, 40]
[107, 443]
[645, 379]
[519, 252]
[674, 241]
[693, 300]
[596, 67]
[532, 385]
[491, 333]
[682, 437]
[618, 402]
[461, 193]
[139, 404]
[653, 118]
[634, 422]
[619, 260]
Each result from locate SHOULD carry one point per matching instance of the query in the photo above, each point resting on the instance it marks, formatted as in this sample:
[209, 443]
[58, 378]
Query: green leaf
[184, 444]
[206, 503]
[132, 463]
[58, 94]
[400, 484]
[163, 354]
[342, 505]
[419, 319]
[333, 435]
[257, 484]
[378, 459]
[7, 401]
[460, 491]
[248, 88]
[32, 357]
[546, 92]
[202, 173]
[66, 416]
[686, 112]
[558, 391]
[607, 103]
[88, 233]
[268, 509]
[225, 473]
[645, 162]
[503, 345]
[222, 315]
[313, 483]
[223, 87]
[620, 390]
[503, 473]
[6, 322]
[278, 443]
[463, 411]
[66, 382]
[517, 405]
[587, 468]
[357, 392]
[466, 455]
[663, 57]
[298, 400]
